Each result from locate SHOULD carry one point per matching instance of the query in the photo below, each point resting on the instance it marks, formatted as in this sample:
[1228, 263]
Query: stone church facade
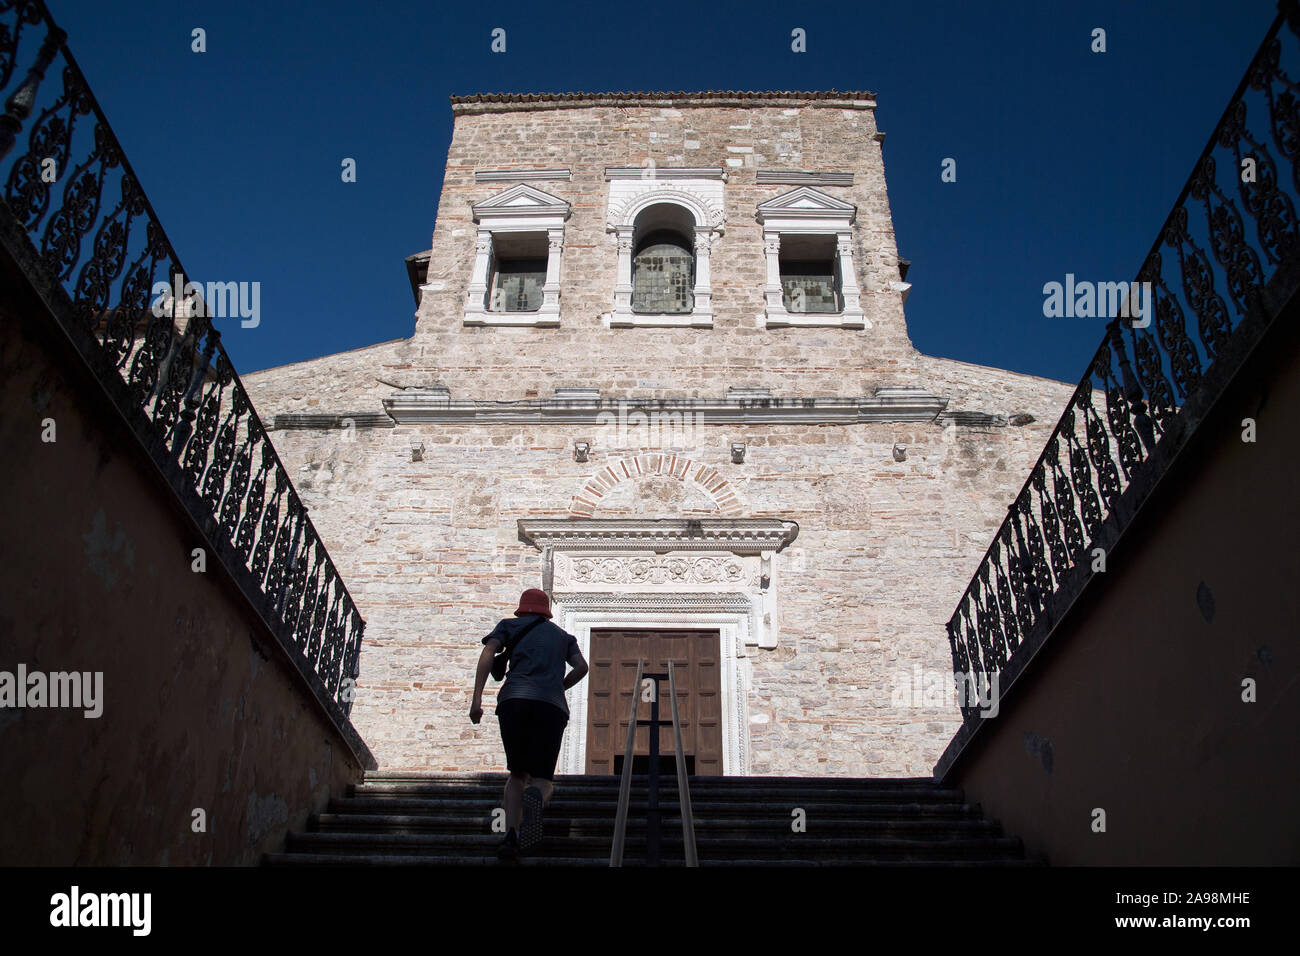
[660, 368]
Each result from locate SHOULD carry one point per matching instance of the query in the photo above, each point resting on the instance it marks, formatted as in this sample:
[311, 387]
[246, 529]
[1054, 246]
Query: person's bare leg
[515, 800]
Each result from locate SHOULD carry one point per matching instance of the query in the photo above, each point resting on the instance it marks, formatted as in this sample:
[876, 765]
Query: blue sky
[1067, 160]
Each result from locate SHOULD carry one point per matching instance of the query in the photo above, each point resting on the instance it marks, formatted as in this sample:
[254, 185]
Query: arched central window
[663, 261]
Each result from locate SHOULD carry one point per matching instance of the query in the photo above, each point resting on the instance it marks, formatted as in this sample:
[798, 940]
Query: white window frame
[808, 211]
[521, 209]
[703, 200]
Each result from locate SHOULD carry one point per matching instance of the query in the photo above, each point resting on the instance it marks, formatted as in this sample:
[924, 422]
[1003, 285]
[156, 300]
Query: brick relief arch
[707, 479]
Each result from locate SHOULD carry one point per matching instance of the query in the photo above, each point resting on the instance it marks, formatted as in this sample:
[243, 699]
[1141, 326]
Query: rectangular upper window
[518, 272]
[809, 274]
[517, 285]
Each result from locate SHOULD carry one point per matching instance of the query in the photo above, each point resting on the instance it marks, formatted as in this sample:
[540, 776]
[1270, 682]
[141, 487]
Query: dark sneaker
[530, 834]
[509, 849]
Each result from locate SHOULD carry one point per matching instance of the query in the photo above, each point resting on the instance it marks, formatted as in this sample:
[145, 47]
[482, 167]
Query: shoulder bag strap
[510, 645]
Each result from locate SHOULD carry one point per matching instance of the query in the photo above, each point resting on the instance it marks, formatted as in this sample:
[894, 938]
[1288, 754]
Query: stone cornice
[300, 420]
[888, 404]
[659, 173]
[973, 419]
[673, 601]
[737, 535]
[522, 175]
[797, 177]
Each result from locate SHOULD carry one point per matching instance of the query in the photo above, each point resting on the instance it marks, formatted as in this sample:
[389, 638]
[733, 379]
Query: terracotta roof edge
[648, 96]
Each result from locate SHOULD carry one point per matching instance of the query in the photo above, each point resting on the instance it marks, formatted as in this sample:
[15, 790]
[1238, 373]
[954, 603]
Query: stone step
[561, 825]
[459, 806]
[445, 819]
[381, 859]
[608, 784]
[498, 779]
[404, 859]
[752, 794]
[754, 846]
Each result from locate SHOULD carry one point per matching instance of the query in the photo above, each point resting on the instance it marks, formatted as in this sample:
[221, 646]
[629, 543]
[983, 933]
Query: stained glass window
[663, 278]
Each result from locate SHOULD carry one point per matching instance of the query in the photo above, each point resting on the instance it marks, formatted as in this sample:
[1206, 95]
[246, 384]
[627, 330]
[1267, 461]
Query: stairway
[446, 819]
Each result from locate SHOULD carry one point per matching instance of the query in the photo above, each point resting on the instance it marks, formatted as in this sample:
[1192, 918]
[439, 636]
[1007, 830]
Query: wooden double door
[696, 658]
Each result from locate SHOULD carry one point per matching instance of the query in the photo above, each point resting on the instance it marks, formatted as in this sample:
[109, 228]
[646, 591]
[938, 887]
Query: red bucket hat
[534, 601]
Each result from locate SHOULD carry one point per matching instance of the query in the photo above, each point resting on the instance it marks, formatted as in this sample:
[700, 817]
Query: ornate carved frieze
[649, 570]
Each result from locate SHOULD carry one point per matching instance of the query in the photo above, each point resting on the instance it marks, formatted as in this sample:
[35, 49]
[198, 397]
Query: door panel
[696, 661]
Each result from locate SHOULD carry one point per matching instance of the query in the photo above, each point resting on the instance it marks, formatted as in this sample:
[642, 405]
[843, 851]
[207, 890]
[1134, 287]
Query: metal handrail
[170, 377]
[625, 785]
[1230, 238]
[683, 787]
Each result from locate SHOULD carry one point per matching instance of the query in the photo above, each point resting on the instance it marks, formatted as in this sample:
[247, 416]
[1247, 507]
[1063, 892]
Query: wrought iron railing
[93, 233]
[1239, 204]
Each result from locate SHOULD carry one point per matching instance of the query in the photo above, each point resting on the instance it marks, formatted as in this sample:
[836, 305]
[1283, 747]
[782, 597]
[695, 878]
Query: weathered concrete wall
[95, 566]
[1135, 705]
[431, 551]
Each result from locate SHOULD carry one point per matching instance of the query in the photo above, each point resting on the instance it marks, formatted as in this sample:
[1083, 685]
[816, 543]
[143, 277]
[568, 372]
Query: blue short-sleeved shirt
[537, 663]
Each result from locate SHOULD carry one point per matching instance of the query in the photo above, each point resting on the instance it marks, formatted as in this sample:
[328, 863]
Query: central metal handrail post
[625, 785]
[683, 787]
[653, 812]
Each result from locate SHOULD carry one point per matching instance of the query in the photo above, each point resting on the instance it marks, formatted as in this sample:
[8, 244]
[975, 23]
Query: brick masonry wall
[497, 362]
[431, 551]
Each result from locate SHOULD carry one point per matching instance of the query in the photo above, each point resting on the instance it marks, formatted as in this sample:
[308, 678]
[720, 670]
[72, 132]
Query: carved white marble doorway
[713, 573]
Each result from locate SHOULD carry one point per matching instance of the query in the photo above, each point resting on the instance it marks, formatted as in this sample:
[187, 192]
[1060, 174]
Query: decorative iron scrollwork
[1148, 366]
[110, 257]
